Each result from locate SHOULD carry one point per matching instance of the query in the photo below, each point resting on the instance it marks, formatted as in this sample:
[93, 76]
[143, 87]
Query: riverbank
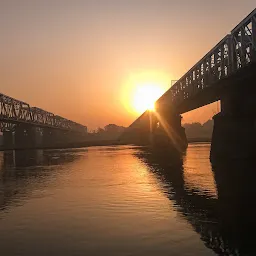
[95, 143]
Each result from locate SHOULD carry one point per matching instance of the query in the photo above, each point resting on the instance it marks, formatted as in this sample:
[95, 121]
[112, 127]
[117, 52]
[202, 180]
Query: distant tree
[109, 132]
[208, 125]
[100, 130]
[197, 130]
[113, 128]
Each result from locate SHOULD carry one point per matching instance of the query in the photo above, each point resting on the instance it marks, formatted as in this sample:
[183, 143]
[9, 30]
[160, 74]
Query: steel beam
[15, 112]
[233, 53]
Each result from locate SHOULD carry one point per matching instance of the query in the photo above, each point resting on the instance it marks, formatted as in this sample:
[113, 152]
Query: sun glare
[145, 96]
[141, 90]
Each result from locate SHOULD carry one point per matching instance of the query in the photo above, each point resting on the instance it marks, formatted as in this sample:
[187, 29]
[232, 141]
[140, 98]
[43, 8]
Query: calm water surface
[122, 201]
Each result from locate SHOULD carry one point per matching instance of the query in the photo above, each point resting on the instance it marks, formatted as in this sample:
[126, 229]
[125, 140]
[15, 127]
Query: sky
[83, 60]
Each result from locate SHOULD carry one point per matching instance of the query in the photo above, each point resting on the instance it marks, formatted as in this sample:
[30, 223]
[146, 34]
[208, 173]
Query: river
[123, 200]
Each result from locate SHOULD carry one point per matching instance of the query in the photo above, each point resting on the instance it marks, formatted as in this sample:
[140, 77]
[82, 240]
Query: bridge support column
[169, 133]
[27, 136]
[233, 137]
[8, 140]
[160, 130]
[140, 133]
[234, 133]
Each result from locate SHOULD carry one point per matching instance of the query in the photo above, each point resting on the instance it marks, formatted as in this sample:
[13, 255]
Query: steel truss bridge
[14, 112]
[226, 73]
[234, 53]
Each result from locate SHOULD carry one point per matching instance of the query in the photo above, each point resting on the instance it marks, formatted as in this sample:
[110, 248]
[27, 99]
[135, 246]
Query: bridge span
[226, 73]
[24, 126]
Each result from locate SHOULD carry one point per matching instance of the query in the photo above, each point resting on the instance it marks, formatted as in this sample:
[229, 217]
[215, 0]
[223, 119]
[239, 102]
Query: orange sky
[83, 59]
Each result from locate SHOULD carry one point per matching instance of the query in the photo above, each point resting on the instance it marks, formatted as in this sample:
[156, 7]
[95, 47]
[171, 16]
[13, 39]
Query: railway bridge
[24, 126]
[227, 73]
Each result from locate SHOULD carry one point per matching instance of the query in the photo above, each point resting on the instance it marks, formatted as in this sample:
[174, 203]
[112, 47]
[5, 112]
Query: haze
[83, 59]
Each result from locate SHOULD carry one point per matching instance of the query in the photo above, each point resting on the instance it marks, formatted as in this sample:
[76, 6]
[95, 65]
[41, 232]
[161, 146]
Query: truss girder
[13, 112]
[235, 51]
[5, 127]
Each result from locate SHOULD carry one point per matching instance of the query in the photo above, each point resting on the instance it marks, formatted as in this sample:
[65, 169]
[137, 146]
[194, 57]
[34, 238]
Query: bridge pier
[139, 133]
[27, 136]
[8, 140]
[234, 133]
[233, 137]
[162, 131]
[168, 132]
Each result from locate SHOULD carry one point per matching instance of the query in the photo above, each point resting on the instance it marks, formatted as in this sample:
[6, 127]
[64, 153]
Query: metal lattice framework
[13, 112]
[236, 51]
[6, 126]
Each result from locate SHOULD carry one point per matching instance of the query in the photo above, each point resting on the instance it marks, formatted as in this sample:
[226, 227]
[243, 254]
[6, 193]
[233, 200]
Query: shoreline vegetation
[109, 135]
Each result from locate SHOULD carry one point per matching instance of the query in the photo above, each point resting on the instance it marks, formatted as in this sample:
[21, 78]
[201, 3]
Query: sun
[145, 97]
[141, 90]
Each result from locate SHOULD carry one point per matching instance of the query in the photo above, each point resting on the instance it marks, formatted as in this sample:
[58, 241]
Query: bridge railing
[244, 42]
[233, 52]
[211, 68]
[15, 111]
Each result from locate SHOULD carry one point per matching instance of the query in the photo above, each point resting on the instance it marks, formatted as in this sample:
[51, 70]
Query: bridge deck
[235, 52]
[232, 59]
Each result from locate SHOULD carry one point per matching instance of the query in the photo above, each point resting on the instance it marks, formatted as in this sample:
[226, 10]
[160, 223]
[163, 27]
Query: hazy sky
[81, 59]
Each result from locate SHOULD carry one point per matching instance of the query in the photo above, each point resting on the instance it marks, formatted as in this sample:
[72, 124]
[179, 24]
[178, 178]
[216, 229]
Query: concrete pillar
[141, 132]
[160, 130]
[8, 140]
[27, 137]
[234, 133]
[233, 137]
[169, 133]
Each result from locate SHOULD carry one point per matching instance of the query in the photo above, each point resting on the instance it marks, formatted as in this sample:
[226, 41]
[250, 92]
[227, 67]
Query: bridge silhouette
[226, 73]
[24, 126]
